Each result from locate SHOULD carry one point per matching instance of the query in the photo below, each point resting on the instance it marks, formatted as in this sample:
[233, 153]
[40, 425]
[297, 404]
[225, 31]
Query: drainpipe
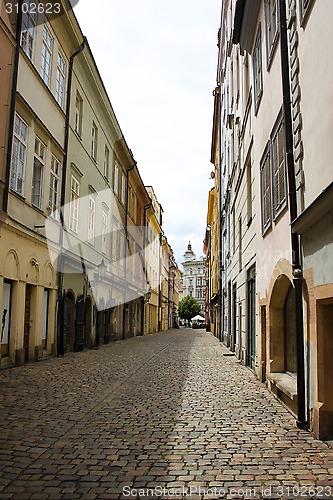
[61, 294]
[126, 235]
[12, 106]
[295, 243]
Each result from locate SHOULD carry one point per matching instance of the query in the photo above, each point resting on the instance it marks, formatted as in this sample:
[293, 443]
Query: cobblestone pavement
[167, 415]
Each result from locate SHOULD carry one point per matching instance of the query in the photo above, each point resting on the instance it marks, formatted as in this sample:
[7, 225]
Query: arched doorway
[80, 323]
[69, 322]
[283, 327]
[88, 324]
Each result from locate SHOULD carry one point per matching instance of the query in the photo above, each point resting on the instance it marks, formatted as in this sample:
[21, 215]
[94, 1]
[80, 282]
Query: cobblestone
[166, 411]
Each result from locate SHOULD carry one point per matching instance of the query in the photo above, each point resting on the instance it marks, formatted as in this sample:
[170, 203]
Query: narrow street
[167, 414]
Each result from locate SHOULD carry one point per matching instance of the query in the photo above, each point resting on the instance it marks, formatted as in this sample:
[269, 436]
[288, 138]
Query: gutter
[295, 241]
[12, 106]
[60, 277]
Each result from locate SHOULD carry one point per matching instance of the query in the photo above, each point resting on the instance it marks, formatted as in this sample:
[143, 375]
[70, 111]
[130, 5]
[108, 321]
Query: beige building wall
[28, 273]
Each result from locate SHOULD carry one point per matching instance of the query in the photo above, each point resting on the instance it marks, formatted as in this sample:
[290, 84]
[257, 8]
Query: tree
[188, 307]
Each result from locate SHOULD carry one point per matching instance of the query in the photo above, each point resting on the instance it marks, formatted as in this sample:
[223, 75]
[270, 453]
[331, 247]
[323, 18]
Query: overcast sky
[158, 62]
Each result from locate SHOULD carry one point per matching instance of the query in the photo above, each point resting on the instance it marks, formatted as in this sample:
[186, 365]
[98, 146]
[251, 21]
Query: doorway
[325, 367]
[251, 317]
[27, 321]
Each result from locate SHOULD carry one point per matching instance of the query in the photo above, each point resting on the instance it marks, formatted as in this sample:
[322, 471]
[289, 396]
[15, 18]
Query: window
[114, 240]
[91, 219]
[278, 168]
[78, 114]
[265, 181]
[94, 140]
[74, 204]
[257, 70]
[19, 155]
[271, 21]
[54, 186]
[38, 173]
[305, 9]
[106, 162]
[249, 191]
[29, 22]
[273, 176]
[123, 189]
[46, 61]
[116, 179]
[60, 80]
[104, 231]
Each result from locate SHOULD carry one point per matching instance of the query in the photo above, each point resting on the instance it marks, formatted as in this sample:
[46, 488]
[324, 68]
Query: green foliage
[188, 307]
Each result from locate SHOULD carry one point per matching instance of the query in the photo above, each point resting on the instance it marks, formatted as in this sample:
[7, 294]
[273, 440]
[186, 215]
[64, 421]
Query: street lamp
[147, 296]
[102, 267]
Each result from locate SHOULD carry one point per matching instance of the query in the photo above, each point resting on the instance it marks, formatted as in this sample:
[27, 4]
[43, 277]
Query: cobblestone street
[168, 410]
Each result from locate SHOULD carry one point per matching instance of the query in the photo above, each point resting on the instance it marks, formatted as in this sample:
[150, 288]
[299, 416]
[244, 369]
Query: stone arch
[277, 322]
[11, 266]
[48, 275]
[33, 270]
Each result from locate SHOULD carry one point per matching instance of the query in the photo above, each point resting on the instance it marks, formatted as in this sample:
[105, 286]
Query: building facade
[194, 277]
[76, 261]
[274, 313]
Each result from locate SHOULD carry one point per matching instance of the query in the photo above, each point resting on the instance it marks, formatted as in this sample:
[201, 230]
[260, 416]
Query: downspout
[12, 106]
[60, 347]
[295, 243]
[126, 235]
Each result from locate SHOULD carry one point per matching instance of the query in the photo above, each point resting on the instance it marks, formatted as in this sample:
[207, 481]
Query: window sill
[286, 383]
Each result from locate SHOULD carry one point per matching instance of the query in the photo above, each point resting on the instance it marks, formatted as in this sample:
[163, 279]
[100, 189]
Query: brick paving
[167, 415]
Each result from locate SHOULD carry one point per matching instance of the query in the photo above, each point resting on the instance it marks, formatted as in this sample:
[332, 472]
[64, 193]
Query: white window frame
[94, 141]
[54, 186]
[37, 187]
[60, 80]
[266, 190]
[114, 240]
[106, 162]
[305, 8]
[278, 168]
[123, 188]
[257, 70]
[105, 223]
[91, 219]
[116, 179]
[78, 113]
[19, 155]
[271, 26]
[28, 32]
[46, 56]
[74, 204]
